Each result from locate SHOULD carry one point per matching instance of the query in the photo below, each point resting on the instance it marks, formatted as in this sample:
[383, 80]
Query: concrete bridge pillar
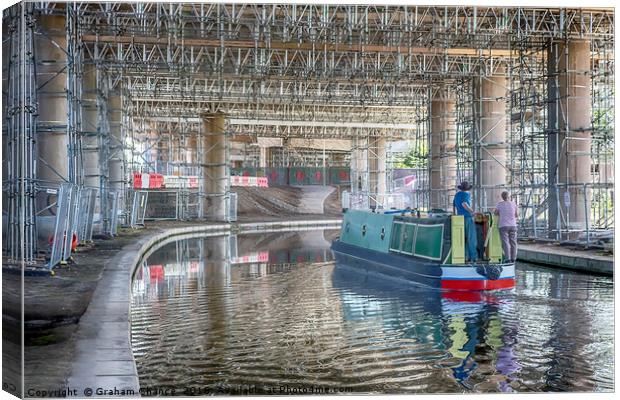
[214, 160]
[264, 157]
[90, 137]
[575, 131]
[491, 118]
[377, 169]
[52, 163]
[442, 149]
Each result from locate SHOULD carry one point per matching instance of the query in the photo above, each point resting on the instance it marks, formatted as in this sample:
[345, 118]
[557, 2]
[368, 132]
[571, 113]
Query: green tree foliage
[415, 158]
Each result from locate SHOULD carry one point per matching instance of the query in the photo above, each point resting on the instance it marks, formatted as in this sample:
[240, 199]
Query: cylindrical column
[377, 167]
[90, 138]
[490, 109]
[575, 126]
[52, 163]
[262, 157]
[214, 166]
[443, 156]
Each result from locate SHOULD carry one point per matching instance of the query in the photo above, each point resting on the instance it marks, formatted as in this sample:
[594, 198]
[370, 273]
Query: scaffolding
[529, 136]
[357, 72]
[536, 147]
[20, 127]
[75, 63]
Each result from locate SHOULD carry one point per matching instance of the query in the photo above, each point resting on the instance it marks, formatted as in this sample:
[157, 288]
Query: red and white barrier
[192, 182]
[250, 181]
[159, 181]
[147, 181]
[254, 257]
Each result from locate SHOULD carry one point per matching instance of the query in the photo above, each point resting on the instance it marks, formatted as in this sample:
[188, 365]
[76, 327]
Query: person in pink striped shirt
[507, 211]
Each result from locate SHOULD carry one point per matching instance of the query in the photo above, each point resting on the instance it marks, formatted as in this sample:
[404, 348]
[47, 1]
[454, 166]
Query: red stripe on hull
[475, 284]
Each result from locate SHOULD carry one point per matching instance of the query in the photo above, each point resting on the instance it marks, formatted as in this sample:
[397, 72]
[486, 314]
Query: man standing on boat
[507, 211]
[462, 206]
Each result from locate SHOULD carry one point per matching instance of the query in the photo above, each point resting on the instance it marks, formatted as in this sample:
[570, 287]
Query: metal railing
[138, 208]
[113, 203]
[576, 213]
[232, 207]
[188, 205]
[72, 221]
[88, 197]
[367, 201]
[63, 196]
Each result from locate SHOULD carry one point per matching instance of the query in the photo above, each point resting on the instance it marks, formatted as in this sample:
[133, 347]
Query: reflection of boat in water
[427, 251]
[465, 326]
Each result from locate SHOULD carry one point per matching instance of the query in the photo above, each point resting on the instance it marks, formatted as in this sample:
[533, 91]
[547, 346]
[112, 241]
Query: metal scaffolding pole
[103, 140]
[74, 95]
[347, 72]
[20, 112]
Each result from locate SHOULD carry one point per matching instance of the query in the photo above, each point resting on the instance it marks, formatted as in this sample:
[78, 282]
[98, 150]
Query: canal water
[272, 313]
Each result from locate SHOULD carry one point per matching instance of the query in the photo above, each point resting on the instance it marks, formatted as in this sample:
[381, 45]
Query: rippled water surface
[272, 313]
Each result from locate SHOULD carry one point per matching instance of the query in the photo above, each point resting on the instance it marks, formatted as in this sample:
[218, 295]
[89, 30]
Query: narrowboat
[428, 251]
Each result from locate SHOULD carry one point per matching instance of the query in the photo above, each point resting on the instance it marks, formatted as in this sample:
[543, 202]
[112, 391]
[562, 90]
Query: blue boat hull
[430, 274]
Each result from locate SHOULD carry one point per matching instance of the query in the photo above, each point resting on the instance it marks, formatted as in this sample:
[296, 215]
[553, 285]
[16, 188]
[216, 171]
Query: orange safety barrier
[74, 241]
[137, 180]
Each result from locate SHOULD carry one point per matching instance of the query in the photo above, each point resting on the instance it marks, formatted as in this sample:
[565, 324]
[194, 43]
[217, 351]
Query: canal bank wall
[103, 362]
[555, 256]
